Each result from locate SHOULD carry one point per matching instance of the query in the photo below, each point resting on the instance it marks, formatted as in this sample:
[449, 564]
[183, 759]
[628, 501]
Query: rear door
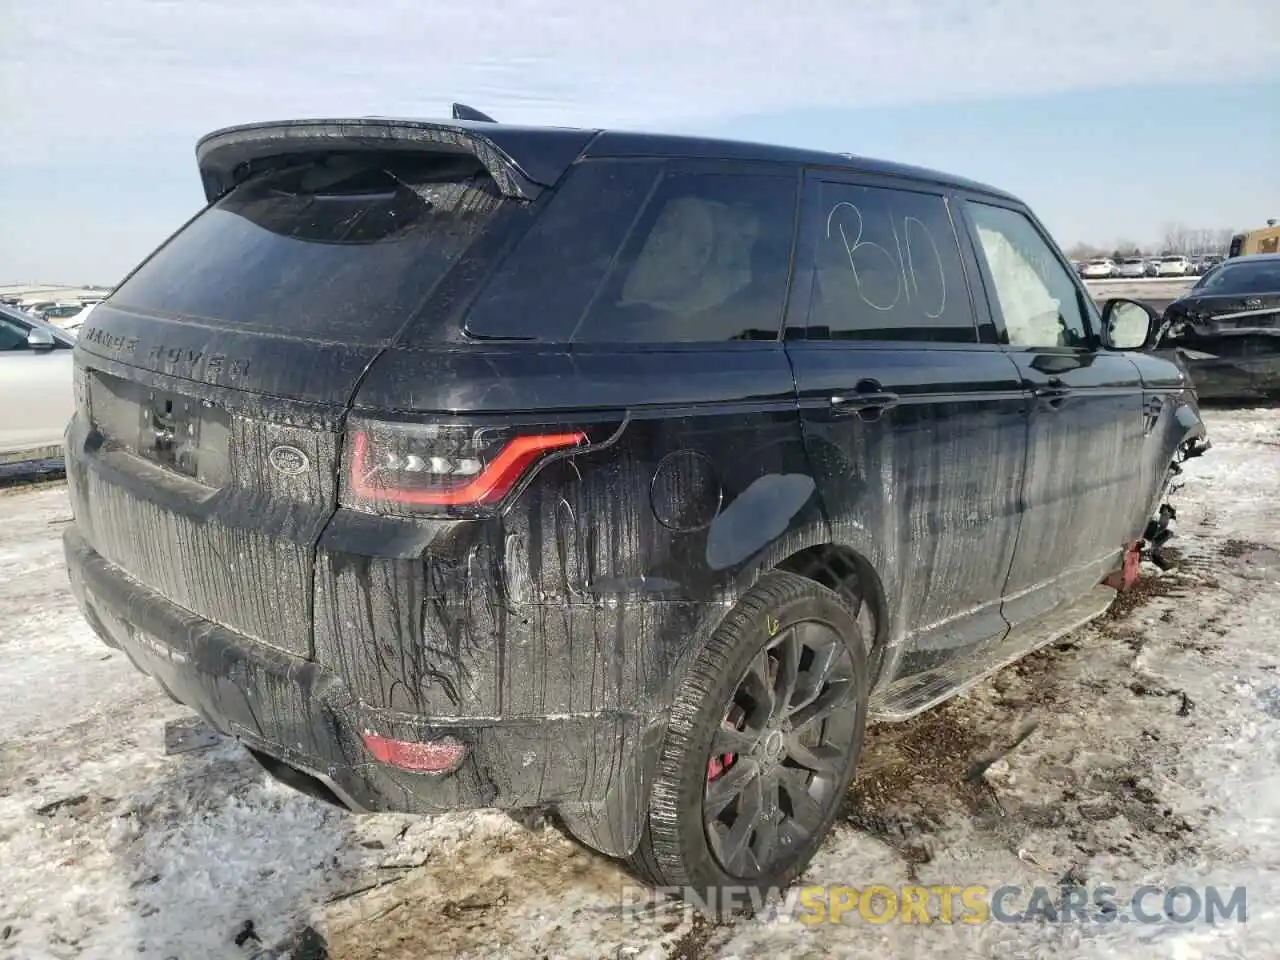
[213, 382]
[914, 427]
[1085, 425]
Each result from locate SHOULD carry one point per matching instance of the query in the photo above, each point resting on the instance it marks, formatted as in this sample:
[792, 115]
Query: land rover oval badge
[288, 460]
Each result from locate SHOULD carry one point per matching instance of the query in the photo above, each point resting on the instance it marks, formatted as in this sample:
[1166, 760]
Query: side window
[636, 252]
[540, 291]
[706, 261]
[13, 335]
[887, 267]
[1036, 296]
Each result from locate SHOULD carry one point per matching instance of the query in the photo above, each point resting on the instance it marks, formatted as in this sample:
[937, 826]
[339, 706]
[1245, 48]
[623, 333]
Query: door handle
[867, 404]
[1053, 393]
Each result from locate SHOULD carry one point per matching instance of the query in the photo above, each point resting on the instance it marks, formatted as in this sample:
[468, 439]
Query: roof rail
[462, 112]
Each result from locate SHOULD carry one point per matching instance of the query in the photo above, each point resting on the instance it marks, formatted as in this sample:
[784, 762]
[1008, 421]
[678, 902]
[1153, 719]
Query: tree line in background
[1176, 238]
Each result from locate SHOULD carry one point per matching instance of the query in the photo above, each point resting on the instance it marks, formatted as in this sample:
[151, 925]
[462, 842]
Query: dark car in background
[1227, 329]
[450, 464]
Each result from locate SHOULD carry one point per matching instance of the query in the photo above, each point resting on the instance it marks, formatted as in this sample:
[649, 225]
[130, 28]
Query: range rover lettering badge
[289, 460]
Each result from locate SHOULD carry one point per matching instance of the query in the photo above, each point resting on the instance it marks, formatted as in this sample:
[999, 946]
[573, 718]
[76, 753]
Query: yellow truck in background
[1263, 240]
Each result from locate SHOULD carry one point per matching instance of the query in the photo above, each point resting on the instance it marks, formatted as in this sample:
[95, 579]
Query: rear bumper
[296, 711]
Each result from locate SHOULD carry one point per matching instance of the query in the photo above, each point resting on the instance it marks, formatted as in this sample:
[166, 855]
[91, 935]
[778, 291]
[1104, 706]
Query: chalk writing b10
[914, 261]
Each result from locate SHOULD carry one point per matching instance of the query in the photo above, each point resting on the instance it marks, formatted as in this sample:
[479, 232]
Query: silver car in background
[36, 392]
[1175, 267]
[1099, 269]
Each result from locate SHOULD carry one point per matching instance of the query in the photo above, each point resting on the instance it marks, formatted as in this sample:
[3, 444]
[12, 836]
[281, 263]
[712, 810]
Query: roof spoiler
[522, 161]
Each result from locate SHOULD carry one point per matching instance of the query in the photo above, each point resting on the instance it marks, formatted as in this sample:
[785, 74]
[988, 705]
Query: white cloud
[159, 70]
[123, 88]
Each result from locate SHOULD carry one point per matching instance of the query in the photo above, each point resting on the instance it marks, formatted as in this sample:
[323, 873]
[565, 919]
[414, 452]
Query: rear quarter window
[345, 248]
[644, 252]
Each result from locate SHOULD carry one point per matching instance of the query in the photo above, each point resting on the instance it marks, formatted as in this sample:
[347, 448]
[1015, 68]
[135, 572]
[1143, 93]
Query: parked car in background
[518, 469]
[1178, 266]
[76, 320]
[36, 308]
[1132, 268]
[36, 393]
[46, 309]
[1227, 329]
[61, 311]
[1099, 269]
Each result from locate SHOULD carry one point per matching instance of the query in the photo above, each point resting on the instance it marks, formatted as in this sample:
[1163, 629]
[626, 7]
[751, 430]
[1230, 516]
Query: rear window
[344, 247]
[642, 252]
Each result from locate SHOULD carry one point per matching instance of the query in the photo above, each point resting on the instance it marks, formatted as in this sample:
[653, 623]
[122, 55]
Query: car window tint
[887, 267]
[1035, 293]
[540, 291]
[1259, 277]
[341, 247]
[13, 335]
[706, 261]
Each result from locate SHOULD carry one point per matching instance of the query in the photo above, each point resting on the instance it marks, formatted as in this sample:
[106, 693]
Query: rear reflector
[433, 756]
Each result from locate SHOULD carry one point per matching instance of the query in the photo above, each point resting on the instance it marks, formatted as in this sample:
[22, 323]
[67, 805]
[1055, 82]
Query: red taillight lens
[429, 465]
[433, 756]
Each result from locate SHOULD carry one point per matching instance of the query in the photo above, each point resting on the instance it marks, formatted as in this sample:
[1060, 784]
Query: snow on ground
[1143, 749]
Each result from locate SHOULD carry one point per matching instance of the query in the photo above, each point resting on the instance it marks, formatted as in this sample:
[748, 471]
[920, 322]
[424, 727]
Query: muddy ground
[1143, 749]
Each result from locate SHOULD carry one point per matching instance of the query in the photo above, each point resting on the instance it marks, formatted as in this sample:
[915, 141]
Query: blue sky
[1110, 119]
[1097, 165]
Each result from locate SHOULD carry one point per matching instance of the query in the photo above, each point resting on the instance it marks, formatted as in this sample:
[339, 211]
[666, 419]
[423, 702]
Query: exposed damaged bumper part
[295, 712]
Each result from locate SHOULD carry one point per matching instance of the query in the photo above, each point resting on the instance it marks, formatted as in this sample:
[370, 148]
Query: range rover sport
[449, 464]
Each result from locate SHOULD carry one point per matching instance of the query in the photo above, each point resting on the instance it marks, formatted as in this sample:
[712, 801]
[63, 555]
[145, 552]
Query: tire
[786, 629]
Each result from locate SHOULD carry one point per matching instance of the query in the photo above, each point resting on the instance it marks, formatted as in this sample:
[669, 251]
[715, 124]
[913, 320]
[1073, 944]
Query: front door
[1085, 427]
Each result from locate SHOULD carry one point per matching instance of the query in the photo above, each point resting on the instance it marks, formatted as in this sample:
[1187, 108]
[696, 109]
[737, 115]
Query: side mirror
[38, 339]
[1128, 324]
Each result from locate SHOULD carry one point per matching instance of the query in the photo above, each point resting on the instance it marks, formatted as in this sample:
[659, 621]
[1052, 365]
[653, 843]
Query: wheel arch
[612, 824]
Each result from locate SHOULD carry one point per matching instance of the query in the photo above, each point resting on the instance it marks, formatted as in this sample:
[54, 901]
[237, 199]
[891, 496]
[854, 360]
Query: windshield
[343, 247]
[1242, 277]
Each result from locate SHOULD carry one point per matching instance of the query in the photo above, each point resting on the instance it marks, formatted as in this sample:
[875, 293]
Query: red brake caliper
[735, 719]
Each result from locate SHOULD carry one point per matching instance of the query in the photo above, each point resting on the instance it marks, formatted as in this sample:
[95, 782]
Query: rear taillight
[399, 467]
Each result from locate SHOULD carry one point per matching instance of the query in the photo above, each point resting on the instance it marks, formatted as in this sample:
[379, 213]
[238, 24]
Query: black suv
[453, 464]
